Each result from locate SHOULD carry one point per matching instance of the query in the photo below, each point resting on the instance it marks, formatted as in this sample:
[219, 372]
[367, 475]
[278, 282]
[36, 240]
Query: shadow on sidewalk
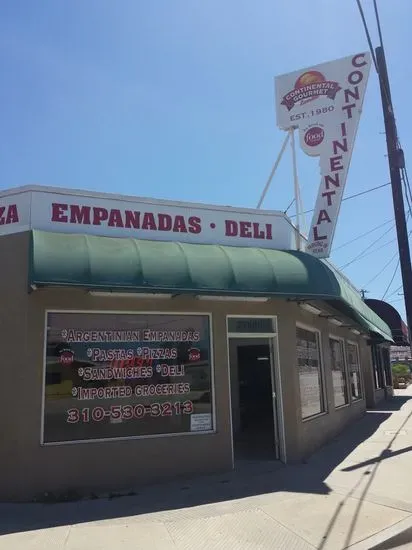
[250, 479]
[373, 467]
[393, 404]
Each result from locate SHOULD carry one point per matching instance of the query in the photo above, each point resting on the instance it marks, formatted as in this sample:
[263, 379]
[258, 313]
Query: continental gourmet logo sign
[309, 86]
[324, 103]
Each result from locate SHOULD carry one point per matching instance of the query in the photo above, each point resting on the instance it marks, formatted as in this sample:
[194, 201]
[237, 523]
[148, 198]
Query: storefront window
[387, 370]
[352, 356]
[377, 366]
[119, 375]
[310, 372]
[340, 384]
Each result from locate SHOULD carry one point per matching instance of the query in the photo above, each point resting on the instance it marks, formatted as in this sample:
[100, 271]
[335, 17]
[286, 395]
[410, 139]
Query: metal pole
[395, 159]
[298, 202]
[265, 190]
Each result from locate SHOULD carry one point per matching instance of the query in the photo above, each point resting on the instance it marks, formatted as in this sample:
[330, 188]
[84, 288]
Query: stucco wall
[306, 436]
[16, 364]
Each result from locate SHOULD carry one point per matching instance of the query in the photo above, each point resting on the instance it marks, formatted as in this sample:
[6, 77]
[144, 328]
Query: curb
[377, 541]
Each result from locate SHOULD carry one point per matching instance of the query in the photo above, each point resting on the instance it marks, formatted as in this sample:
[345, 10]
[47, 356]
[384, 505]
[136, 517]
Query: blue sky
[175, 100]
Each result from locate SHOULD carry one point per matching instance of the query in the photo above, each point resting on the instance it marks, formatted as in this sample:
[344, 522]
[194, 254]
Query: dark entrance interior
[252, 399]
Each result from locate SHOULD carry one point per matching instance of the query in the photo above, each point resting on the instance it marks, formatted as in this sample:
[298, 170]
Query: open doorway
[254, 422]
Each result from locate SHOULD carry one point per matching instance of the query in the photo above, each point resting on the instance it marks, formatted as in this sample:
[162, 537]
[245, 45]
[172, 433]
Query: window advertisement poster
[354, 370]
[340, 388]
[118, 375]
[310, 373]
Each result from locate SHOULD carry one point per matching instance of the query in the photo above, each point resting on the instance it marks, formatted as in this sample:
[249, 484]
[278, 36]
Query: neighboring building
[401, 351]
[400, 354]
[145, 340]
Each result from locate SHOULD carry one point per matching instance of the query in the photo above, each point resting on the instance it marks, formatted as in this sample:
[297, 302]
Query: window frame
[386, 368]
[343, 342]
[378, 371]
[324, 401]
[133, 437]
[362, 389]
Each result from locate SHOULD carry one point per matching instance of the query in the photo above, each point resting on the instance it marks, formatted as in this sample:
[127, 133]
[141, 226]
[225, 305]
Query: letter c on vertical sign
[355, 61]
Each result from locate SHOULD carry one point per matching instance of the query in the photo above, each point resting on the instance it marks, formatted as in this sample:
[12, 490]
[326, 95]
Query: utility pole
[396, 163]
[363, 293]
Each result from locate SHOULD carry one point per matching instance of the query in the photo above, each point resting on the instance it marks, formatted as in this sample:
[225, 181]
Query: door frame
[277, 402]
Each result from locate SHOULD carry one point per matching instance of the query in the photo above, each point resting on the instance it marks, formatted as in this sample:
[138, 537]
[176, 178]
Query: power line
[363, 235]
[379, 248]
[378, 22]
[405, 181]
[290, 206]
[349, 197]
[397, 265]
[395, 291]
[396, 164]
[382, 270]
[362, 254]
[385, 88]
[391, 281]
[368, 36]
[393, 301]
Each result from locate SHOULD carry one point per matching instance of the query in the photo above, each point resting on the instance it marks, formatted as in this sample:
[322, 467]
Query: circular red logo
[194, 354]
[66, 357]
[314, 136]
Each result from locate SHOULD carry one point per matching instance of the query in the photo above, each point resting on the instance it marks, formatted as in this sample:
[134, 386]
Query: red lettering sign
[9, 214]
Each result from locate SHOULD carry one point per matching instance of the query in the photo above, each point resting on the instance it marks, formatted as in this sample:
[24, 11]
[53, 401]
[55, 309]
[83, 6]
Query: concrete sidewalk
[355, 493]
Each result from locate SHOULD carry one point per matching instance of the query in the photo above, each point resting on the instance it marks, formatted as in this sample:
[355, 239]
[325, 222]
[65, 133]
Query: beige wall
[28, 469]
[305, 436]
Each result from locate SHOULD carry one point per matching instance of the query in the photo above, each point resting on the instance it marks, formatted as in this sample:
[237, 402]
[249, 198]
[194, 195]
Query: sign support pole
[296, 187]
[275, 166]
[396, 163]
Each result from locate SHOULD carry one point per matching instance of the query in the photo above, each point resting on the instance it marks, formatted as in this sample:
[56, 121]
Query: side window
[352, 357]
[339, 372]
[309, 365]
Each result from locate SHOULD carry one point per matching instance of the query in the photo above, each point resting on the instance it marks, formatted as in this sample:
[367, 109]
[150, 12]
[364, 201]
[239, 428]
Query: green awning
[155, 266]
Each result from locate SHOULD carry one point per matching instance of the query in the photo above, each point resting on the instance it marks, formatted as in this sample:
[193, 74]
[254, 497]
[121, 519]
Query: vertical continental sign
[324, 103]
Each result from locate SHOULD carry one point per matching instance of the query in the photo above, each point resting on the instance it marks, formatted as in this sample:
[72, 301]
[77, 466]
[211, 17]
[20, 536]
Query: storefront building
[145, 340]
[382, 355]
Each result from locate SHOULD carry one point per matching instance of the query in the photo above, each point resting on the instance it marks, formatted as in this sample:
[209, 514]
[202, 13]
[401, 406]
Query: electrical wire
[393, 301]
[349, 197]
[403, 170]
[407, 187]
[362, 254]
[395, 291]
[362, 235]
[381, 271]
[378, 22]
[379, 248]
[393, 276]
[372, 51]
[391, 281]
[292, 202]
[368, 36]
[396, 268]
